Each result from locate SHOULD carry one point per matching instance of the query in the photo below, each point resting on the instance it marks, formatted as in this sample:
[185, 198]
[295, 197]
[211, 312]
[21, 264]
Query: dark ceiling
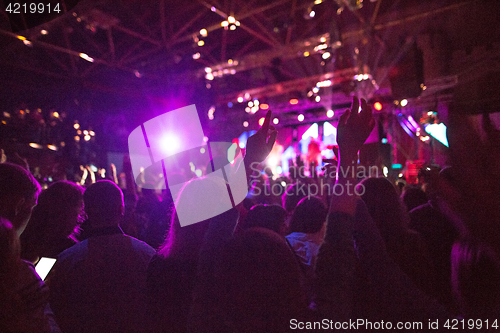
[148, 52]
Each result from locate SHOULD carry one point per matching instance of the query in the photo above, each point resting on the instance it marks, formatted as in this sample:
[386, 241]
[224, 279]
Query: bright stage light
[377, 106]
[272, 161]
[245, 124]
[169, 143]
[404, 102]
[329, 113]
[264, 106]
[294, 101]
[317, 98]
[276, 121]
[261, 121]
[300, 117]
[203, 32]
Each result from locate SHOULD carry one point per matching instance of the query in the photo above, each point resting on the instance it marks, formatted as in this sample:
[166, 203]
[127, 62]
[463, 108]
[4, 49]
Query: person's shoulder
[77, 249]
[141, 246]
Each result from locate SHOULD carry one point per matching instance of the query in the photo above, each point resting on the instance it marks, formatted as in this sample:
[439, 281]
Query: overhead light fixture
[86, 57]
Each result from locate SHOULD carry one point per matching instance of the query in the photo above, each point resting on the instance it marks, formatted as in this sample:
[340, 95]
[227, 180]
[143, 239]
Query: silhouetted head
[309, 216]
[59, 209]
[413, 197]
[291, 197]
[385, 208]
[271, 217]
[103, 204]
[18, 195]
[259, 281]
[58, 213]
[197, 202]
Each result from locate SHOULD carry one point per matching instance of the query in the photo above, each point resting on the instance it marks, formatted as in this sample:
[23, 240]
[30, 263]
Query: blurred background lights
[276, 121]
[329, 113]
[300, 117]
[404, 102]
[245, 124]
[377, 106]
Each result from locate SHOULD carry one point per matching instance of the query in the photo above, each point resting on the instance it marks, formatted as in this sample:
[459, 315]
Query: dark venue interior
[249, 166]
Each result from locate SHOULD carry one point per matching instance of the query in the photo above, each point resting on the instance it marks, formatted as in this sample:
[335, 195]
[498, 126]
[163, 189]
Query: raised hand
[261, 143]
[354, 128]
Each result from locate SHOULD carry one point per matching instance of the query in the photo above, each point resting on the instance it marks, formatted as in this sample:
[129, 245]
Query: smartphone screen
[44, 266]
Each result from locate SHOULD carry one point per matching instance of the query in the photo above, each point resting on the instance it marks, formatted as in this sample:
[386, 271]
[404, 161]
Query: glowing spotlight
[76, 126]
[232, 27]
[317, 98]
[240, 99]
[294, 101]
[326, 55]
[203, 32]
[300, 117]
[201, 43]
[169, 143]
[224, 23]
[377, 106]
[205, 139]
[245, 124]
[36, 146]
[77, 138]
[196, 56]
[86, 132]
[92, 133]
[329, 113]
[52, 147]
[264, 106]
[44, 32]
[250, 104]
[276, 121]
[306, 54]
[86, 57]
[261, 121]
[315, 90]
[209, 76]
[86, 137]
[404, 102]
[231, 19]
[312, 13]
[79, 132]
[272, 161]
